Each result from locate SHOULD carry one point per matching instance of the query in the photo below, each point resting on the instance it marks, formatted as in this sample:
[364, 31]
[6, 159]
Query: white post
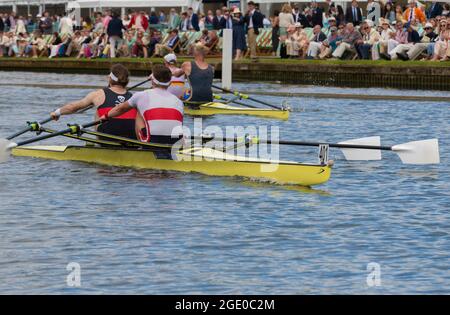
[227, 58]
[122, 12]
[14, 7]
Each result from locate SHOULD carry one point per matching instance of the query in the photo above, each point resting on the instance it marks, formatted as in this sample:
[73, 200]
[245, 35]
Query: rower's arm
[119, 110]
[178, 73]
[186, 68]
[76, 106]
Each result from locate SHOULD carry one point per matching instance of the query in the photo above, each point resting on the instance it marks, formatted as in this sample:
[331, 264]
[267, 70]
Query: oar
[139, 84]
[6, 146]
[245, 96]
[218, 97]
[35, 126]
[365, 149]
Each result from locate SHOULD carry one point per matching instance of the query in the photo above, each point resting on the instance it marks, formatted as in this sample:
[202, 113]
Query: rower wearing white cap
[104, 100]
[160, 113]
[177, 85]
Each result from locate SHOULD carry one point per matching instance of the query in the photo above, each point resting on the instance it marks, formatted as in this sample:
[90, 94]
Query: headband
[113, 77]
[159, 83]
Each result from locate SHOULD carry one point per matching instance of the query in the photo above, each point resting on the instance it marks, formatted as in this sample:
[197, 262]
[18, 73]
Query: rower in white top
[177, 84]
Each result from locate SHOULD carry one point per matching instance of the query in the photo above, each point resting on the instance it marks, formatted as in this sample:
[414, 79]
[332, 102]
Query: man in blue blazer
[193, 19]
[254, 21]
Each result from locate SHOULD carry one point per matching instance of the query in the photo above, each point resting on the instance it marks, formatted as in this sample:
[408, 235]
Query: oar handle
[73, 129]
[32, 126]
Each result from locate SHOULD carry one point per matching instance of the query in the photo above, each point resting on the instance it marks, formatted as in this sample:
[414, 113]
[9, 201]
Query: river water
[135, 231]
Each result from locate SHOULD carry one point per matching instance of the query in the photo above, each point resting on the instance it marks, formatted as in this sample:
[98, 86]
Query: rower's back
[123, 125]
[201, 81]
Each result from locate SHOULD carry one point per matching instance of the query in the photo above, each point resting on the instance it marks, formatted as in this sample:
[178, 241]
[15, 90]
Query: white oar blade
[362, 154]
[418, 152]
[5, 149]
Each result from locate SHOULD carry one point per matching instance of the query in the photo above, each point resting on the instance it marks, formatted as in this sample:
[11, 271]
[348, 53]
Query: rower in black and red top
[104, 100]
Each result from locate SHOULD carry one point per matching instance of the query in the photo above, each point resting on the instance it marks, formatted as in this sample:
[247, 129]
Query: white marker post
[227, 58]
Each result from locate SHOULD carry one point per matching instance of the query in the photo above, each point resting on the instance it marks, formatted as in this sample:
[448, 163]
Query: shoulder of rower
[186, 67]
[97, 97]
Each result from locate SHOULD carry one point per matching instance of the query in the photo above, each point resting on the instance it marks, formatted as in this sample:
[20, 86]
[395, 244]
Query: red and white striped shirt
[162, 112]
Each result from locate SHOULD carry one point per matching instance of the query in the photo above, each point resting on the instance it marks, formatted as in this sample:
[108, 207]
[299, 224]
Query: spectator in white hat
[426, 44]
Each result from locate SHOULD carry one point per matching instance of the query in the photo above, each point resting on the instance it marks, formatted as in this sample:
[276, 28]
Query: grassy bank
[266, 60]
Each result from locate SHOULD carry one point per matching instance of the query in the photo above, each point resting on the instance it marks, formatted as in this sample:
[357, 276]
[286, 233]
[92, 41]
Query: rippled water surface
[135, 231]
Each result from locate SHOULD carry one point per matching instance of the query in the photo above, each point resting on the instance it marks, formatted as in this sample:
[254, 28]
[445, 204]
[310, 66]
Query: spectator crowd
[383, 30]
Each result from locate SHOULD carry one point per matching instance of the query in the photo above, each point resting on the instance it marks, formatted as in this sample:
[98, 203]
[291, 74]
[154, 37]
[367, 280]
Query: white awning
[31, 2]
[126, 3]
[298, 1]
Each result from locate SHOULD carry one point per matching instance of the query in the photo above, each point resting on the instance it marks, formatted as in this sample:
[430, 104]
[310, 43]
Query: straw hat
[236, 11]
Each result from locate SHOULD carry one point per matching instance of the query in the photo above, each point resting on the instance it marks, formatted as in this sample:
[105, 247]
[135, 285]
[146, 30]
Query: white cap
[428, 25]
[170, 58]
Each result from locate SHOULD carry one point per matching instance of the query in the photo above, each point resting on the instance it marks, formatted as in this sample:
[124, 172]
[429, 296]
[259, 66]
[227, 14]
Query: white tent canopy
[31, 2]
[127, 3]
[298, 1]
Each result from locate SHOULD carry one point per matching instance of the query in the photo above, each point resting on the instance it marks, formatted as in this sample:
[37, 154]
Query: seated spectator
[297, 42]
[74, 45]
[54, 45]
[441, 46]
[38, 47]
[369, 42]
[399, 37]
[100, 46]
[155, 38]
[349, 39]
[140, 48]
[331, 23]
[412, 37]
[385, 35]
[23, 41]
[329, 45]
[127, 44]
[10, 44]
[170, 46]
[209, 39]
[316, 42]
[87, 24]
[426, 44]
[4, 39]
